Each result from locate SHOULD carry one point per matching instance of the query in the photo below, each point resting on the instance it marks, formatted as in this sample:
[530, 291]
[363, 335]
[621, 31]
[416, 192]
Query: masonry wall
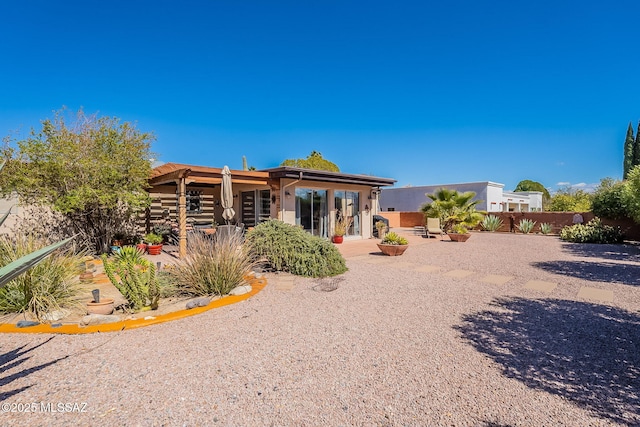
[558, 220]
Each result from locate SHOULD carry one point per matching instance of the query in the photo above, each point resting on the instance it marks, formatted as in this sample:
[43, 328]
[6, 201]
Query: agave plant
[546, 228]
[526, 225]
[491, 223]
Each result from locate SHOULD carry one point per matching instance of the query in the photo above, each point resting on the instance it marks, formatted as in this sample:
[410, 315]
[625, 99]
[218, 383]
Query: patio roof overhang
[326, 176]
[172, 173]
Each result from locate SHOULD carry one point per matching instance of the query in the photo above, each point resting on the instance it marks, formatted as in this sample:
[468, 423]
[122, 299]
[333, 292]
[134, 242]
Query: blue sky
[423, 92]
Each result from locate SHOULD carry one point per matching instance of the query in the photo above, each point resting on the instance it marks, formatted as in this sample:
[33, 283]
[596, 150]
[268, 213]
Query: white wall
[409, 199]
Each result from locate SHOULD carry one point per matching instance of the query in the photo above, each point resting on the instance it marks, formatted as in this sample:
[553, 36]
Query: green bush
[212, 266]
[592, 232]
[393, 238]
[134, 276]
[289, 248]
[491, 223]
[526, 225]
[610, 199]
[51, 285]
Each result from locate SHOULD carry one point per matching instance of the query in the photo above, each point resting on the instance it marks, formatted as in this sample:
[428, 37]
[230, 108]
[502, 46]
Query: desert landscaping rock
[388, 347]
[198, 302]
[240, 290]
[99, 319]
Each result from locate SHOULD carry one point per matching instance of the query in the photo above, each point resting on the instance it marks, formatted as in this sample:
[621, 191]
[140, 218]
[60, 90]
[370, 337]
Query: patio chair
[433, 227]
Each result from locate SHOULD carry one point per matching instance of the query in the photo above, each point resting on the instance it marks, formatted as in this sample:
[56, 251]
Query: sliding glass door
[311, 211]
[348, 204]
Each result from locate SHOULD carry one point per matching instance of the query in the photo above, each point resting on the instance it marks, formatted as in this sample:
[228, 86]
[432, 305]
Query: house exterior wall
[287, 211]
[410, 199]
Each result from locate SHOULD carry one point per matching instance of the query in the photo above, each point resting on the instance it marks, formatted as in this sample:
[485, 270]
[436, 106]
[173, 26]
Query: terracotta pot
[455, 237]
[392, 250]
[142, 247]
[105, 306]
[154, 249]
[338, 239]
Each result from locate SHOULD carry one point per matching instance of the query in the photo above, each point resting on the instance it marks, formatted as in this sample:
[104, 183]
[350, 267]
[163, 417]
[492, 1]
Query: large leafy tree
[528, 185]
[313, 161]
[570, 200]
[629, 154]
[453, 208]
[636, 148]
[92, 170]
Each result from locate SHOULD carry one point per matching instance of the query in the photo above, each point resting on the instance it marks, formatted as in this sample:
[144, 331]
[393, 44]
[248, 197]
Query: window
[194, 201]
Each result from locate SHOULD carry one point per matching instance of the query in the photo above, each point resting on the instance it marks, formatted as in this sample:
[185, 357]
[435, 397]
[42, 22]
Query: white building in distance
[492, 197]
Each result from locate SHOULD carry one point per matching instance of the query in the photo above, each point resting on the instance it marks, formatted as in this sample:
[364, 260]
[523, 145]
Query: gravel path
[391, 346]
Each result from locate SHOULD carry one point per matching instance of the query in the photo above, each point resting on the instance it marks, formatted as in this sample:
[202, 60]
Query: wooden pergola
[182, 175]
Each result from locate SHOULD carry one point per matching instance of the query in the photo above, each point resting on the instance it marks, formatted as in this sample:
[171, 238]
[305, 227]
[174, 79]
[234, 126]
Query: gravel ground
[391, 346]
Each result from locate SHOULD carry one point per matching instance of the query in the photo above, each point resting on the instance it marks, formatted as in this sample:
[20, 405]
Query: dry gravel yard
[503, 330]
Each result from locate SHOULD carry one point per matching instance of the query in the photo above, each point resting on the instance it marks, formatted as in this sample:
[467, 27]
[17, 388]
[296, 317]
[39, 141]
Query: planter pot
[455, 237]
[154, 249]
[105, 306]
[392, 250]
[338, 239]
[142, 247]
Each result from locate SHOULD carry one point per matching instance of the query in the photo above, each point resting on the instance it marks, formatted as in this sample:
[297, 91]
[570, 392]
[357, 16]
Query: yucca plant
[212, 267]
[491, 223]
[526, 225]
[36, 278]
[546, 228]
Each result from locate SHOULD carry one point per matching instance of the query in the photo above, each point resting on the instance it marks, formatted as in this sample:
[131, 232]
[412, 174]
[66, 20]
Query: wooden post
[182, 215]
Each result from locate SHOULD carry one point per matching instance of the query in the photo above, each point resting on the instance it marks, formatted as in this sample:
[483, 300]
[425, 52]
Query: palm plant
[453, 208]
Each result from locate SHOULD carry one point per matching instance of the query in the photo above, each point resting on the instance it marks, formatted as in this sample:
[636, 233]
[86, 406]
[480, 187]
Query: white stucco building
[491, 194]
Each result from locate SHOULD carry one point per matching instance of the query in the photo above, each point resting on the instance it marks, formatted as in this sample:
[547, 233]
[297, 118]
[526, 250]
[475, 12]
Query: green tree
[632, 196]
[610, 199]
[92, 170]
[636, 148]
[570, 200]
[313, 161]
[453, 208]
[528, 185]
[629, 155]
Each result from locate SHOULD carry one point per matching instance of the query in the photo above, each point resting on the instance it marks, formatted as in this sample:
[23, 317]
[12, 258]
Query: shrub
[491, 223]
[212, 266]
[546, 228]
[51, 285]
[289, 248]
[526, 225]
[134, 276]
[610, 199]
[153, 238]
[593, 232]
[393, 238]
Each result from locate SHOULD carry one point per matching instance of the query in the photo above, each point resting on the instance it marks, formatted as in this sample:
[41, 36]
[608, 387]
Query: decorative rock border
[257, 284]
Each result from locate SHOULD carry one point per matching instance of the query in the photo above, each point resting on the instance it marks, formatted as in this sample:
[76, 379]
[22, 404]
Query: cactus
[135, 278]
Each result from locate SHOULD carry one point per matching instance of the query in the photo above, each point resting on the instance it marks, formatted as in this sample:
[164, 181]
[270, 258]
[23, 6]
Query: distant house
[491, 194]
[304, 197]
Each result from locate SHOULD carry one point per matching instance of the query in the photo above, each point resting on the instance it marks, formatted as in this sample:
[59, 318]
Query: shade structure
[226, 195]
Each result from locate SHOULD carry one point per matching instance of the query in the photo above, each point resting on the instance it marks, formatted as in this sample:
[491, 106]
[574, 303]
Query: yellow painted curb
[256, 286]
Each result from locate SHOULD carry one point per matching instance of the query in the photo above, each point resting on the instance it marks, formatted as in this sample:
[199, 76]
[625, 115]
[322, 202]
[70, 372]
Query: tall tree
[636, 149]
[313, 161]
[94, 171]
[528, 185]
[629, 154]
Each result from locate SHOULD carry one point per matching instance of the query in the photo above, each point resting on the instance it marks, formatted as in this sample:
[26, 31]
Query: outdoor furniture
[433, 227]
[419, 230]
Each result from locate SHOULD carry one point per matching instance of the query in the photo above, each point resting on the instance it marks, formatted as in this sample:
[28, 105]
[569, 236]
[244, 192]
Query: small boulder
[99, 319]
[240, 290]
[26, 323]
[55, 315]
[198, 302]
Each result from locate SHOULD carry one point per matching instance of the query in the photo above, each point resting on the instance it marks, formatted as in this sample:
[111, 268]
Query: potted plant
[459, 233]
[140, 244]
[382, 229]
[393, 244]
[340, 229]
[154, 243]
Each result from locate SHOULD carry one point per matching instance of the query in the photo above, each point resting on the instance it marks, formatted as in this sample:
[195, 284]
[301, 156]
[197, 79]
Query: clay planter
[338, 239]
[154, 249]
[392, 250]
[455, 237]
[105, 306]
[142, 247]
